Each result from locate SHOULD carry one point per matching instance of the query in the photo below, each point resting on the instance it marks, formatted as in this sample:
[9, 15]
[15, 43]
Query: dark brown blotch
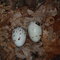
[38, 23]
[19, 38]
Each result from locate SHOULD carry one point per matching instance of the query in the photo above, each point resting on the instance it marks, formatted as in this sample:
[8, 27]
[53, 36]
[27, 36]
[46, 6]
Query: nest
[46, 48]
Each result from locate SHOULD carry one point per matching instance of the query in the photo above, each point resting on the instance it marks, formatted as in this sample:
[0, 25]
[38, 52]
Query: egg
[19, 36]
[34, 31]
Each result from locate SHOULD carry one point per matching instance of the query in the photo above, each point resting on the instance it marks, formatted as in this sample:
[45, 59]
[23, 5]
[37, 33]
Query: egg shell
[19, 36]
[35, 31]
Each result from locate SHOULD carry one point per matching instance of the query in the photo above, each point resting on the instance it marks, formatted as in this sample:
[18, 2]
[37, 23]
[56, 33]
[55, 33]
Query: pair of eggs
[34, 31]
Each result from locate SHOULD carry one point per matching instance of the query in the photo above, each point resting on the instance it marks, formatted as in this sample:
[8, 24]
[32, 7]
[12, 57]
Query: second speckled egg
[35, 31]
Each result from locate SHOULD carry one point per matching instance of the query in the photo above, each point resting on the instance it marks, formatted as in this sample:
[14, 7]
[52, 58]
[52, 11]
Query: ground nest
[49, 45]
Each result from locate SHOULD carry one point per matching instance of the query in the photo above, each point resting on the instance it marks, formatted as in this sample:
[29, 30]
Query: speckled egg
[19, 36]
[35, 31]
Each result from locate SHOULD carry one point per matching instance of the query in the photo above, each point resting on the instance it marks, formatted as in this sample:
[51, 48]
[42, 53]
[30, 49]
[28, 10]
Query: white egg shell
[19, 36]
[35, 31]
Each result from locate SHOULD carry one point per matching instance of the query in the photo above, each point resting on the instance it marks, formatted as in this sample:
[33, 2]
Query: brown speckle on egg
[32, 37]
[36, 36]
[13, 35]
[19, 38]
[20, 30]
